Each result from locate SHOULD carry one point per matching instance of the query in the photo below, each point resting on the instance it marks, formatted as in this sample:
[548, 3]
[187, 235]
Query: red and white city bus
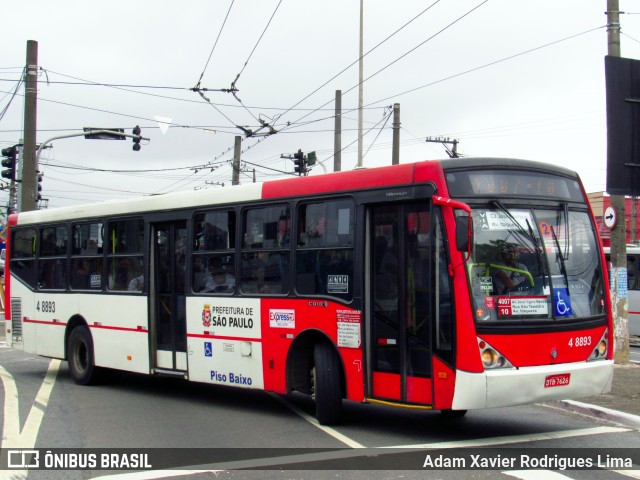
[448, 285]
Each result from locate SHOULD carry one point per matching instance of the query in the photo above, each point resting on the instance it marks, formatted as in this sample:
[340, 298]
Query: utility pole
[619, 300]
[337, 135]
[235, 179]
[27, 197]
[395, 153]
[453, 151]
[360, 93]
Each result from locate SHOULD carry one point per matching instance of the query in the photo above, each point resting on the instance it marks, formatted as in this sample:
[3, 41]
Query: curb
[598, 412]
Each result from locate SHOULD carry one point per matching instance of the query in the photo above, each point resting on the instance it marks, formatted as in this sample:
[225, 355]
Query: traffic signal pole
[619, 300]
[27, 198]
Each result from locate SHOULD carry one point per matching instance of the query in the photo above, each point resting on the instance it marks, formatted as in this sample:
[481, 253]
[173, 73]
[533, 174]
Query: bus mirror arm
[464, 239]
[464, 228]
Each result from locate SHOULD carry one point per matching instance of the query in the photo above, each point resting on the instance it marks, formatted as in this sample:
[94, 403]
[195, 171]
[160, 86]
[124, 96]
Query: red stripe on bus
[104, 327]
[220, 337]
[45, 322]
[121, 329]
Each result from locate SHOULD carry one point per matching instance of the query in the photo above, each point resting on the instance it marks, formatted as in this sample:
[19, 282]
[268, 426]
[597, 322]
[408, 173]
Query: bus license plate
[559, 380]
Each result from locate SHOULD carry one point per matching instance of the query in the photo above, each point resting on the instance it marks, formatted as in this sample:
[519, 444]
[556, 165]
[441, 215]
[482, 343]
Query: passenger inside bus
[509, 278]
[219, 280]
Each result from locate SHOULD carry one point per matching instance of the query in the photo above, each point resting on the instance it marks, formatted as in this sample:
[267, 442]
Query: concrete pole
[235, 179]
[27, 197]
[337, 136]
[619, 300]
[395, 154]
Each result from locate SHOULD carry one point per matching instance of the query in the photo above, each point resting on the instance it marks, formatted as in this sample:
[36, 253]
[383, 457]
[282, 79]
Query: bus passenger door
[400, 304]
[168, 312]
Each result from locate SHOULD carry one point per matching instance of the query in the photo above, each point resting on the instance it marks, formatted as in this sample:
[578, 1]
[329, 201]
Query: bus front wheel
[326, 384]
[448, 413]
[80, 356]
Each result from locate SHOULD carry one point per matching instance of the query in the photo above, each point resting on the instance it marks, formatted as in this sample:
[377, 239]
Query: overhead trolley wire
[255, 46]
[13, 95]
[234, 89]
[490, 64]
[401, 56]
[355, 62]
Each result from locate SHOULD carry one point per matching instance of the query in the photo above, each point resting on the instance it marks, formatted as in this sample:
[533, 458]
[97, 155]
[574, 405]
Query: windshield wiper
[538, 250]
[563, 268]
[529, 235]
[565, 207]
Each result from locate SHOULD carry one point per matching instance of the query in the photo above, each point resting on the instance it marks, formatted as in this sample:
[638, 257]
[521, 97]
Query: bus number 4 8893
[46, 307]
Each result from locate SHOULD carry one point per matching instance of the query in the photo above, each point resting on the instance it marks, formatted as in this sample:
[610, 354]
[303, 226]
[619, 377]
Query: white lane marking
[485, 442]
[152, 475]
[551, 475]
[11, 421]
[536, 475]
[11, 434]
[29, 432]
[328, 430]
[628, 473]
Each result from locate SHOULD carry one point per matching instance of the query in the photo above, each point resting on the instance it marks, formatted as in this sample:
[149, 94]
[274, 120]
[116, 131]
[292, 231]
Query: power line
[357, 60]
[111, 170]
[13, 95]
[123, 87]
[490, 64]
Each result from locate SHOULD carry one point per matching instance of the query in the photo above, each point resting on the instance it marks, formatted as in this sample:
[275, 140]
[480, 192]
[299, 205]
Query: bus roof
[364, 178]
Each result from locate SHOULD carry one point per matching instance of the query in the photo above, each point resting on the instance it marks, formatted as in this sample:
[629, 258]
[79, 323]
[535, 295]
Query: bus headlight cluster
[491, 358]
[600, 352]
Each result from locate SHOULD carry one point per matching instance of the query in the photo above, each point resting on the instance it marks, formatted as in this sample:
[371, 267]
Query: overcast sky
[507, 78]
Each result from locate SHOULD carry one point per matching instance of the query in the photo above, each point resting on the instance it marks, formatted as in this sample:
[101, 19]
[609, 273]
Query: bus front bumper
[503, 388]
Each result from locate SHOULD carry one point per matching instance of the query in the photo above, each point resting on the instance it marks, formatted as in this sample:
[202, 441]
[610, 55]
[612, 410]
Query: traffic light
[39, 187]
[136, 141]
[299, 162]
[9, 157]
[311, 159]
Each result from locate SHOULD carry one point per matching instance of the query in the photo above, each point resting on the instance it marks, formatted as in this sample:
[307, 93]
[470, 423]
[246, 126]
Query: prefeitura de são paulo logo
[206, 315]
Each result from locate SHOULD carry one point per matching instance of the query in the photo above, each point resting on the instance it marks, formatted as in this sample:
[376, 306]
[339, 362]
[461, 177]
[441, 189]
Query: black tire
[80, 356]
[326, 385]
[448, 413]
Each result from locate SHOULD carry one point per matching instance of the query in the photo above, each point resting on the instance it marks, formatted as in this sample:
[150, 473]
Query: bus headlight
[491, 358]
[600, 352]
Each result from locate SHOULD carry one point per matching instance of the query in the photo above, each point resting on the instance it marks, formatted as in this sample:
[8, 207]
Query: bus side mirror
[464, 233]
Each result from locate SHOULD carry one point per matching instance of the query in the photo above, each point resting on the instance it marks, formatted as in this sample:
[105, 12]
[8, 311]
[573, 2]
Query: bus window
[52, 267]
[265, 266]
[215, 231]
[324, 257]
[214, 272]
[86, 261]
[23, 256]
[125, 261]
[632, 272]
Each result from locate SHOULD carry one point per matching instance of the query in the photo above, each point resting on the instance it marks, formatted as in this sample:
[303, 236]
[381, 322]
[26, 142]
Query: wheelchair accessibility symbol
[562, 302]
[208, 351]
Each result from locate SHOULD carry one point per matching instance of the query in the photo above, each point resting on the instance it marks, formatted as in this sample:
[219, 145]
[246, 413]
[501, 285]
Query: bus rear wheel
[80, 356]
[326, 384]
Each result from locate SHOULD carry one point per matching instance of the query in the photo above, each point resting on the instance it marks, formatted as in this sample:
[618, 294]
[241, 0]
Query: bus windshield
[534, 265]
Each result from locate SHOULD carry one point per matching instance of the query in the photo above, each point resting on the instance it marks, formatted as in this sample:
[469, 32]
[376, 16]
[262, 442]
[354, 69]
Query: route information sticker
[509, 306]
